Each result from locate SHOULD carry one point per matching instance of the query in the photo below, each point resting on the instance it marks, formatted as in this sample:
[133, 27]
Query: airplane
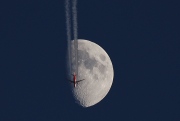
[74, 80]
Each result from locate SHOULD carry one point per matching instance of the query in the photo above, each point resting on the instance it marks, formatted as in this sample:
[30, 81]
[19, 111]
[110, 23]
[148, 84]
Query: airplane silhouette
[74, 80]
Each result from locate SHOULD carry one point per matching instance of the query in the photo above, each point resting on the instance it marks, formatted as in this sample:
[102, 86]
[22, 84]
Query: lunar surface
[94, 65]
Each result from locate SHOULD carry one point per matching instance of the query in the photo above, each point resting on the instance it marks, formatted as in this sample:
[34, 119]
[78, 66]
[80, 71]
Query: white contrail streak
[75, 33]
[75, 27]
[75, 30]
[68, 29]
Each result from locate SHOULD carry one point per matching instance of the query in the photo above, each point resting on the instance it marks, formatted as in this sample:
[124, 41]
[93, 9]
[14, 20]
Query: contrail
[75, 30]
[75, 33]
[68, 29]
[75, 27]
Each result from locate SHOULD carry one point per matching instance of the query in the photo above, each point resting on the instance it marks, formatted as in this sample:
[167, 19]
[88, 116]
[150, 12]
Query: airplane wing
[70, 81]
[79, 80]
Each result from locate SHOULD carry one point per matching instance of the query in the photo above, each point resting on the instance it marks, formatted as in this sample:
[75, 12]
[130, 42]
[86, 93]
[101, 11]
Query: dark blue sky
[141, 38]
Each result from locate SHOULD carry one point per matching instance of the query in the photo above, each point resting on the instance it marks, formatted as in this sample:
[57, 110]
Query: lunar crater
[102, 57]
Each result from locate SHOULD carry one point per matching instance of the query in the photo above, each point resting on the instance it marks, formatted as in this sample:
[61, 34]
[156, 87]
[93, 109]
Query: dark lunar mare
[84, 56]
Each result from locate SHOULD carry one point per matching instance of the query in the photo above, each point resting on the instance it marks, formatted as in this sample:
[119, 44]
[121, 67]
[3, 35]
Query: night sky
[141, 37]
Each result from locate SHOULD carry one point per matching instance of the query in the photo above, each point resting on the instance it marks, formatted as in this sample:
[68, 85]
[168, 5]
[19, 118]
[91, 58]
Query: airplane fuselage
[74, 80]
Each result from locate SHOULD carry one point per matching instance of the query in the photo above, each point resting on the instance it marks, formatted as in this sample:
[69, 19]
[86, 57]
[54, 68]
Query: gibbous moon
[95, 66]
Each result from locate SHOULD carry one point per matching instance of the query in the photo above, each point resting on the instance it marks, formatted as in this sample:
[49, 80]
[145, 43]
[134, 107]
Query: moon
[95, 66]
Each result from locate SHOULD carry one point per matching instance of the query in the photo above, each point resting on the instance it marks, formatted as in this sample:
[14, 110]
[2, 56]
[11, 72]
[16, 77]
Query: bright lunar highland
[94, 65]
